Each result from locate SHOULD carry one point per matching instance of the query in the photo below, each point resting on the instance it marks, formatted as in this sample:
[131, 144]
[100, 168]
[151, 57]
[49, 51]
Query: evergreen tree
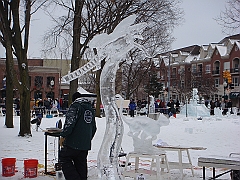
[154, 87]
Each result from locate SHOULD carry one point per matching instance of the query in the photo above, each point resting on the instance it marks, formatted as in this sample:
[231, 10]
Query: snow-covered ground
[219, 135]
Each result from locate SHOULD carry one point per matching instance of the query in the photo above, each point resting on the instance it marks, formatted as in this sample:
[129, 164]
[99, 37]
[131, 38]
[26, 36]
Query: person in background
[206, 103]
[40, 103]
[212, 106]
[78, 132]
[224, 107]
[156, 106]
[139, 104]
[47, 105]
[229, 105]
[171, 109]
[177, 106]
[17, 106]
[132, 107]
[161, 106]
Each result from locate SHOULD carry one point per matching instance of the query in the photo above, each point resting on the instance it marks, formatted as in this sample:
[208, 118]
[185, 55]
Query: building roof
[236, 36]
[222, 50]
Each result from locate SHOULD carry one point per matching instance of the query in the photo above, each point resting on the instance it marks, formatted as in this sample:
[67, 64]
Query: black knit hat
[75, 96]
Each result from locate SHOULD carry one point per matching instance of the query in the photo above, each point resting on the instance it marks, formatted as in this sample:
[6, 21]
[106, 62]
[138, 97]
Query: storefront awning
[234, 95]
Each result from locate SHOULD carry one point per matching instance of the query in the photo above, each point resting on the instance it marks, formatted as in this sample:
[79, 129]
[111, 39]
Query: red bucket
[30, 168]
[8, 167]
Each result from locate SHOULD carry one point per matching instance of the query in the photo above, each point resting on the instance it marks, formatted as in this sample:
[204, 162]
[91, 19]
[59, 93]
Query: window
[226, 65]
[235, 81]
[194, 68]
[208, 68]
[236, 48]
[50, 81]
[182, 84]
[216, 82]
[174, 71]
[38, 81]
[174, 84]
[199, 67]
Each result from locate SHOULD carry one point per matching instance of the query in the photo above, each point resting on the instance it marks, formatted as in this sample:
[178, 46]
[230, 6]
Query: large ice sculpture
[193, 108]
[113, 48]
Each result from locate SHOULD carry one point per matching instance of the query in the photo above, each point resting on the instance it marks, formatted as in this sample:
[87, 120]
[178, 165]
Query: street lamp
[51, 85]
[186, 105]
[224, 88]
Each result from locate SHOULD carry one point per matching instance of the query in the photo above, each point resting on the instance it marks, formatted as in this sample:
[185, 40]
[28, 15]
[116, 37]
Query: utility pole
[168, 83]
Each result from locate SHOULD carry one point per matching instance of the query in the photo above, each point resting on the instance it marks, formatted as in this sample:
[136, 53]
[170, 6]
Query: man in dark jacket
[132, 107]
[171, 109]
[78, 131]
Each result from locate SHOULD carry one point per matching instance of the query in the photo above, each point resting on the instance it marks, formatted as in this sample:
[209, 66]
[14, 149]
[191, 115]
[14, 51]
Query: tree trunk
[25, 126]
[76, 57]
[9, 82]
[9, 97]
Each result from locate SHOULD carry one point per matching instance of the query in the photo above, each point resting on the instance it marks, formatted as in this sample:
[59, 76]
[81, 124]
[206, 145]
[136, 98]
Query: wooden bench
[180, 164]
[232, 163]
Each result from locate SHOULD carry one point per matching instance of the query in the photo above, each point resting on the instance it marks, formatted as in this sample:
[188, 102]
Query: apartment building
[202, 67]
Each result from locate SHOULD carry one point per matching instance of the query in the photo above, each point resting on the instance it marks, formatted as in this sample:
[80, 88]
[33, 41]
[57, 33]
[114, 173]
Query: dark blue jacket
[132, 105]
[80, 126]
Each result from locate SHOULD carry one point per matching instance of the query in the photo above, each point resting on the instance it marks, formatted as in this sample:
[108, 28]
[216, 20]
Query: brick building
[44, 80]
[202, 67]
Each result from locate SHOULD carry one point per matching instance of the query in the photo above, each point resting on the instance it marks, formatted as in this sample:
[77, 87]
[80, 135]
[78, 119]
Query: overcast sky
[198, 28]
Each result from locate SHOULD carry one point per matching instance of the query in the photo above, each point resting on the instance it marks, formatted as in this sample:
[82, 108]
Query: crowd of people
[44, 105]
[170, 108]
[225, 106]
[48, 104]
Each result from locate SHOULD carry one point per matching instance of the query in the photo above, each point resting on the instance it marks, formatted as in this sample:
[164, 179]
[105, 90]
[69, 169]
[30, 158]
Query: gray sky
[198, 28]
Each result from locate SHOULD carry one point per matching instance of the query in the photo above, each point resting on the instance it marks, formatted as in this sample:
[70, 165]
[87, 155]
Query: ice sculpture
[143, 130]
[113, 48]
[152, 106]
[193, 108]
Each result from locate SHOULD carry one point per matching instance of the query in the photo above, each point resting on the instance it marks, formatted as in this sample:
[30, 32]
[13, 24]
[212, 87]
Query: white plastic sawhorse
[180, 149]
[160, 158]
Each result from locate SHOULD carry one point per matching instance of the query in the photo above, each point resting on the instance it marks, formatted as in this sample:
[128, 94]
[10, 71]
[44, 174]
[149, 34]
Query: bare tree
[14, 36]
[205, 85]
[132, 75]
[230, 19]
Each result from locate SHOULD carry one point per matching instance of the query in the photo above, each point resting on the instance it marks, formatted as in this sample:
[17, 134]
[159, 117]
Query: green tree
[154, 87]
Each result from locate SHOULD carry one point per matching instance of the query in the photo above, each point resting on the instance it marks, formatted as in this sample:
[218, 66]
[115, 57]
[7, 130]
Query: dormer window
[236, 48]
